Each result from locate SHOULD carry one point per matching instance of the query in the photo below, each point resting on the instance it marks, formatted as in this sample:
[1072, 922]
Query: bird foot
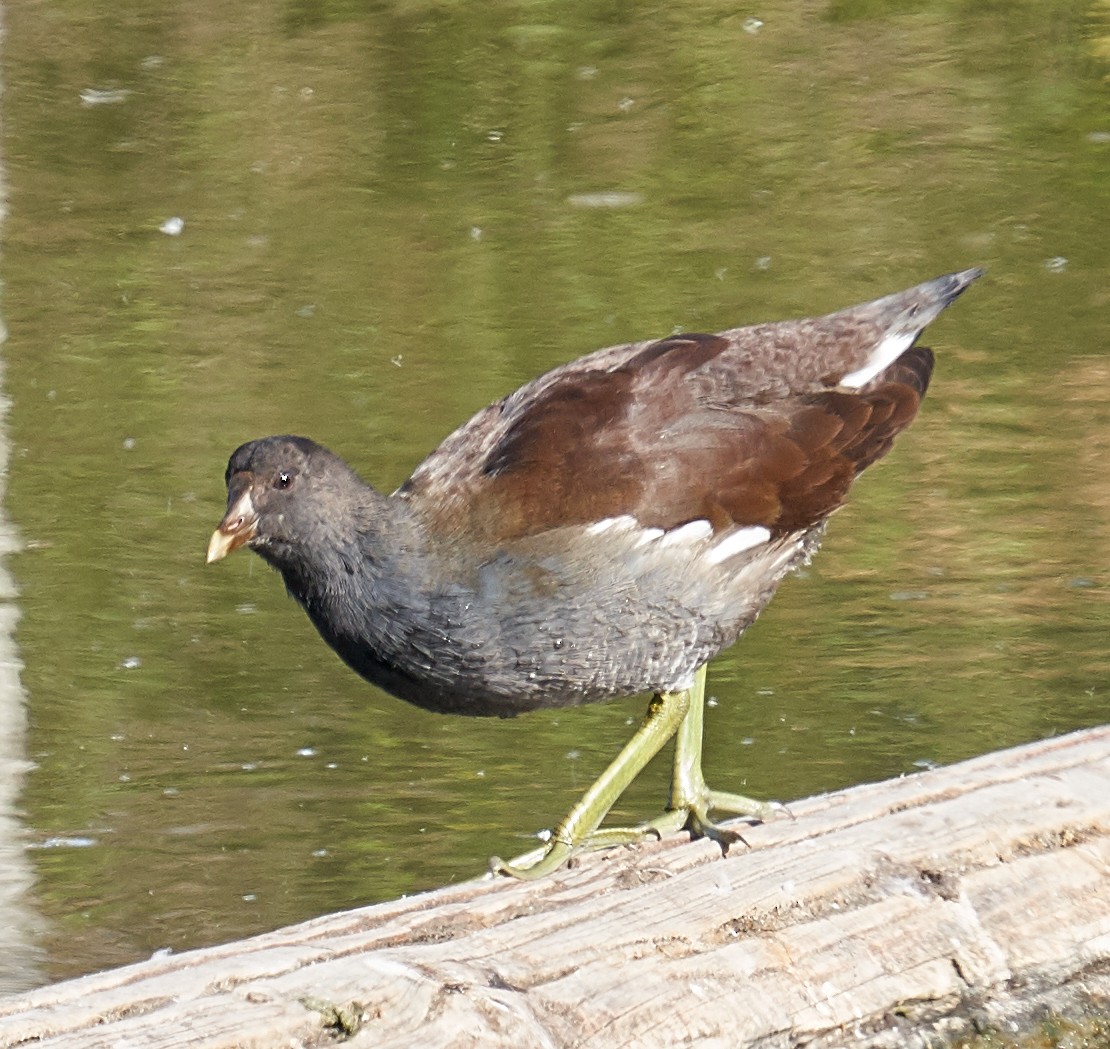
[547, 859]
[677, 714]
[694, 817]
[529, 865]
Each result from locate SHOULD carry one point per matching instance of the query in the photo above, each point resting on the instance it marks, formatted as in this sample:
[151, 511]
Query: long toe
[739, 805]
[535, 864]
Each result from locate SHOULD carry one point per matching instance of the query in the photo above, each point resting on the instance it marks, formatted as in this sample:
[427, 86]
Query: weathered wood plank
[875, 916]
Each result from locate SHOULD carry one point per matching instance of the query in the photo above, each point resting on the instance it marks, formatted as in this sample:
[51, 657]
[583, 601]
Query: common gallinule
[603, 531]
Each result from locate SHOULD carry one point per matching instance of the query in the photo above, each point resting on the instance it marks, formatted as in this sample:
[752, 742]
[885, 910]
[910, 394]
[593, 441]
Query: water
[365, 221]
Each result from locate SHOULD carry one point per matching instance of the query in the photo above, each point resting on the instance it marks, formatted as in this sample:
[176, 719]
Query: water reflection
[392, 214]
[21, 958]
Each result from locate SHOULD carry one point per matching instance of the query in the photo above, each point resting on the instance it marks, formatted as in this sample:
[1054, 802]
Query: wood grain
[876, 916]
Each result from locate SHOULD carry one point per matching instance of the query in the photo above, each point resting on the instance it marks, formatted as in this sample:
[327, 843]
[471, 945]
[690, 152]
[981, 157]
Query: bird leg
[578, 829]
[680, 714]
[691, 798]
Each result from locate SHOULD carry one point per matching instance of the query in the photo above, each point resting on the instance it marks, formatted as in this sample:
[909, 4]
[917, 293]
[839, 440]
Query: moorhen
[603, 531]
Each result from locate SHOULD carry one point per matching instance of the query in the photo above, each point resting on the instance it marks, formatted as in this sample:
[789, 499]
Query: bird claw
[546, 859]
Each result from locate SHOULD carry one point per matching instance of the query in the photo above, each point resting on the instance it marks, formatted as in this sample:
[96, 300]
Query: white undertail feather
[886, 353]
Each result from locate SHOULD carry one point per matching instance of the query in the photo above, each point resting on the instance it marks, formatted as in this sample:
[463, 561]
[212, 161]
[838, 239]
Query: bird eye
[284, 479]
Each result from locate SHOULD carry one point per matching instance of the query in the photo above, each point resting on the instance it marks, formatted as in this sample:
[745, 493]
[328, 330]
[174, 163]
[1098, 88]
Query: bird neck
[375, 595]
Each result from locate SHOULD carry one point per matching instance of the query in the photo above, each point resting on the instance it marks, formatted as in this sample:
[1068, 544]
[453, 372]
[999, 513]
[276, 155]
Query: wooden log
[876, 916]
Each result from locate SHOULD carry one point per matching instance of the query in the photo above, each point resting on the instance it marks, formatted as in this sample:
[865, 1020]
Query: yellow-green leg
[678, 714]
[578, 828]
[691, 798]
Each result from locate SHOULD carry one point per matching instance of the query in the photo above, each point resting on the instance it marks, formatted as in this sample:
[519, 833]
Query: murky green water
[396, 212]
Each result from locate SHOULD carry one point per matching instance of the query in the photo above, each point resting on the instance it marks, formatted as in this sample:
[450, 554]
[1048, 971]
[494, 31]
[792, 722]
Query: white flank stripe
[737, 542]
[886, 353]
[625, 521]
[690, 533]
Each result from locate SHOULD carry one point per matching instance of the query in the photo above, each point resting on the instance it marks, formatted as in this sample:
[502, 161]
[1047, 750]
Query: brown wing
[841, 433]
[670, 434]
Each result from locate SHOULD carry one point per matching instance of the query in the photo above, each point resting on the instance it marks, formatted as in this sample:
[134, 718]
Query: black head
[283, 494]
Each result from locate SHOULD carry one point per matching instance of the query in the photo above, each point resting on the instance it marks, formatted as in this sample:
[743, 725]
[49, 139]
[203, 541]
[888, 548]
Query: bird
[602, 532]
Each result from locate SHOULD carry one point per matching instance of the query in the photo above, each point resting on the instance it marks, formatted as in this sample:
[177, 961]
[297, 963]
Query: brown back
[669, 435]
